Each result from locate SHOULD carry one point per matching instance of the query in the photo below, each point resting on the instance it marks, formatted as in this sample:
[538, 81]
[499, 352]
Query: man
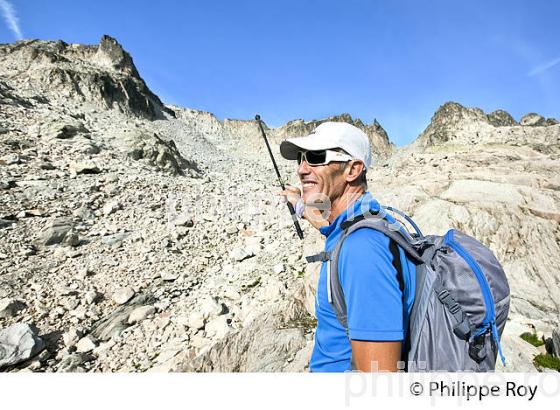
[333, 161]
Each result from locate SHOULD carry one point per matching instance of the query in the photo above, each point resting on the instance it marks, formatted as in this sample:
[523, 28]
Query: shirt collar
[364, 203]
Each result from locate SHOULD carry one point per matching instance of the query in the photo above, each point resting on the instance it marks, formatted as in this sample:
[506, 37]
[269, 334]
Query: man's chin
[309, 195]
[313, 196]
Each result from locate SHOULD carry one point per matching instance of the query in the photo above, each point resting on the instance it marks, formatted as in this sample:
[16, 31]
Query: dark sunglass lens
[316, 157]
[299, 157]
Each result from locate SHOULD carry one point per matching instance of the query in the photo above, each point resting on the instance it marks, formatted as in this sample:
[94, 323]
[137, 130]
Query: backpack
[461, 298]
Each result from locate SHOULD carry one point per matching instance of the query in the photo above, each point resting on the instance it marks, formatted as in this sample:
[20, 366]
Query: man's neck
[344, 201]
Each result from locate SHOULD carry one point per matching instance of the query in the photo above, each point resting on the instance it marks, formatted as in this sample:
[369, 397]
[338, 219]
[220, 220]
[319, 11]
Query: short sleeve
[371, 288]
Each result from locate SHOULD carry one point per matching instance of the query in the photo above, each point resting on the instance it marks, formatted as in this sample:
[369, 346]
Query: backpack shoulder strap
[335, 292]
[394, 248]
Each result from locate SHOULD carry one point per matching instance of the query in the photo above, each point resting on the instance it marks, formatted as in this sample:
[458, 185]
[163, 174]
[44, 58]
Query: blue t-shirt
[375, 303]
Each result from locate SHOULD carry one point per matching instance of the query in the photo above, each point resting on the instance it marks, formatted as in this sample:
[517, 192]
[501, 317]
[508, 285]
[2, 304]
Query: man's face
[321, 182]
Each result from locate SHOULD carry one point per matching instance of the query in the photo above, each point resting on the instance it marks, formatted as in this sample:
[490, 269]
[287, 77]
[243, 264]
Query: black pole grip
[294, 218]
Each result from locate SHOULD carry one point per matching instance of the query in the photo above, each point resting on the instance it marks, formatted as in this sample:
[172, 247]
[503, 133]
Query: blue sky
[396, 61]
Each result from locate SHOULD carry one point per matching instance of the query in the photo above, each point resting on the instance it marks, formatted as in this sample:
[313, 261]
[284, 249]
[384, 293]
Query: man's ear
[353, 170]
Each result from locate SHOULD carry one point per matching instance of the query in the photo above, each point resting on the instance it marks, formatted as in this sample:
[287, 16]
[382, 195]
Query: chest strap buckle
[319, 257]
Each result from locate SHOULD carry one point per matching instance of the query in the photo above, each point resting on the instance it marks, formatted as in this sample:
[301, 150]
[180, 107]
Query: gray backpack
[461, 297]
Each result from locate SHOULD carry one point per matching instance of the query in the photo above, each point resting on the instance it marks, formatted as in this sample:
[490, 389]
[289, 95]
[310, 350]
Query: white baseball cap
[331, 135]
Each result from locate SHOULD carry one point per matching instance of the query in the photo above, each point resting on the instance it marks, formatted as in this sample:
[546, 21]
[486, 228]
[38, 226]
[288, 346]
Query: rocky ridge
[136, 236]
[381, 146]
[454, 124]
[245, 134]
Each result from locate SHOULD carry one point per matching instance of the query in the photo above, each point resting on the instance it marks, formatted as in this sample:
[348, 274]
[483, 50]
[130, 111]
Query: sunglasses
[323, 157]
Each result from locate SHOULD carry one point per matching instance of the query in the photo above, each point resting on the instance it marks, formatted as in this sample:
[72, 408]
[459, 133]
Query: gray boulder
[115, 322]
[84, 167]
[140, 313]
[10, 159]
[4, 223]
[56, 232]
[115, 240]
[73, 362]
[123, 295]
[9, 307]
[66, 131]
[240, 254]
[156, 152]
[18, 343]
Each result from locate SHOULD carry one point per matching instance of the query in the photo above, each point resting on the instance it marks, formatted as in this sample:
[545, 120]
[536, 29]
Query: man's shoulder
[365, 238]
[365, 247]
[366, 261]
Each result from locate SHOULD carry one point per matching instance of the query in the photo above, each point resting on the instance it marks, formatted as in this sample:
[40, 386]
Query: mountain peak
[103, 75]
[112, 54]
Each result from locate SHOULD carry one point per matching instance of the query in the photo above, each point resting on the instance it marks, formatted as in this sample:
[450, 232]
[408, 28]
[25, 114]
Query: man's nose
[303, 168]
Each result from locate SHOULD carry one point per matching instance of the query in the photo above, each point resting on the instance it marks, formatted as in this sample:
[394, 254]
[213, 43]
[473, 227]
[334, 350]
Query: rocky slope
[126, 239]
[136, 236]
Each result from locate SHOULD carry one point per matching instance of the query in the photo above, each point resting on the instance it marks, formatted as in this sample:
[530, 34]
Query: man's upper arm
[376, 356]
[371, 288]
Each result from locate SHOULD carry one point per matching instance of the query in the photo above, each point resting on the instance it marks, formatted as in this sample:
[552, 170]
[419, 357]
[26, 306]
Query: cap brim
[290, 147]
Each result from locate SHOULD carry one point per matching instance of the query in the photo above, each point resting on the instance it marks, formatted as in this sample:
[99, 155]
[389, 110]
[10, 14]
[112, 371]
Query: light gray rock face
[195, 320]
[111, 207]
[209, 307]
[71, 337]
[115, 322]
[217, 327]
[518, 353]
[271, 343]
[116, 240]
[245, 134]
[169, 276]
[18, 343]
[73, 362]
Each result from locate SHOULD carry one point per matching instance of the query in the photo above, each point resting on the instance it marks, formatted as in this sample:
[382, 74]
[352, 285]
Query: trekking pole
[290, 206]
